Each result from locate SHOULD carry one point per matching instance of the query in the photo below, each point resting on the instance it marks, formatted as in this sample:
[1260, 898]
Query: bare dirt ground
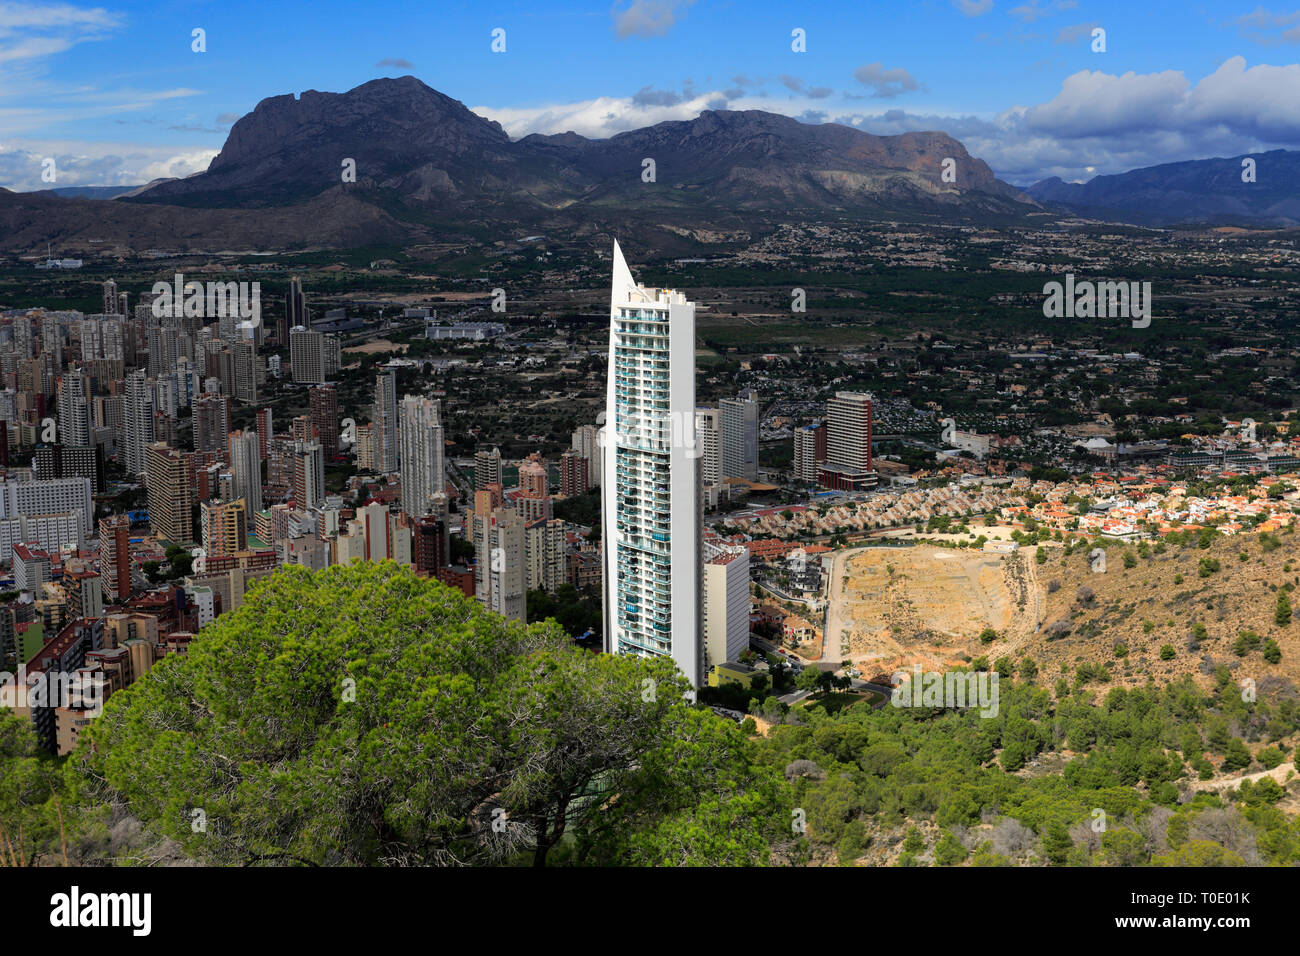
[378, 345]
[896, 607]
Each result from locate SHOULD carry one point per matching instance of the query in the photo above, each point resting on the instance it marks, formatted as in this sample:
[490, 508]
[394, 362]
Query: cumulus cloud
[396, 62]
[885, 84]
[647, 18]
[1259, 101]
[1097, 123]
[96, 164]
[608, 115]
[646, 96]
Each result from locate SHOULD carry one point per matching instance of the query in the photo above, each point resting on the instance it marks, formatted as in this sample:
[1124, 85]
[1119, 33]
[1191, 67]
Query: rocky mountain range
[427, 167]
[1263, 192]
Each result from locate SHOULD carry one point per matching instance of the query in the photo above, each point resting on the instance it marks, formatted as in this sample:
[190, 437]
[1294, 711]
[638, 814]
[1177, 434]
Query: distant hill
[1207, 191]
[93, 192]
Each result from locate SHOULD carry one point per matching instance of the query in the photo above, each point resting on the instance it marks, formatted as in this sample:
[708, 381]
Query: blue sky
[117, 95]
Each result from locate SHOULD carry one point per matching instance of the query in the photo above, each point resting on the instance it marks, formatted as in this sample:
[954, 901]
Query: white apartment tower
[423, 448]
[74, 410]
[848, 464]
[500, 574]
[708, 431]
[587, 444]
[650, 497]
[739, 445]
[386, 423]
[726, 605]
[138, 421]
[246, 463]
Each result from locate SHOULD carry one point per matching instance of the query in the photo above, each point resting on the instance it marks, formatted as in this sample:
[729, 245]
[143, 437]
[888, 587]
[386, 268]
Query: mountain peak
[418, 147]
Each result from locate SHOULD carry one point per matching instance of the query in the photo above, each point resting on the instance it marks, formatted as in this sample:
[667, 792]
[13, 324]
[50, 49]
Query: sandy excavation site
[897, 607]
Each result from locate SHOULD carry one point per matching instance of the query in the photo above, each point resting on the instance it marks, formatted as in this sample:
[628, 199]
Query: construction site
[894, 607]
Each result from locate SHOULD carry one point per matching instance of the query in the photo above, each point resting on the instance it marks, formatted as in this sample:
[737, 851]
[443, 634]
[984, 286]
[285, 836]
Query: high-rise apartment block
[574, 478]
[500, 579]
[225, 527]
[169, 476]
[739, 437]
[708, 441]
[115, 556]
[487, 468]
[308, 474]
[211, 416]
[586, 442]
[726, 605]
[809, 451]
[848, 442]
[651, 506]
[422, 455]
[385, 422]
[324, 401]
[246, 465]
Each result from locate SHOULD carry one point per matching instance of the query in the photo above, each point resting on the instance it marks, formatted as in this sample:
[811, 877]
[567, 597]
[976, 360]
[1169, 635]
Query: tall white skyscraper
[650, 498]
[848, 442]
[138, 424]
[423, 448]
[308, 474]
[74, 410]
[586, 443]
[708, 429]
[386, 423]
[110, 297]
[246, 463]
[739, 445]
[500, 574]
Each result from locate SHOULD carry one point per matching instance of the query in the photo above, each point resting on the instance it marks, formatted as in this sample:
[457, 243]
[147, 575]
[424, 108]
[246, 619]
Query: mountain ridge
[1210, 191]
[427, 167]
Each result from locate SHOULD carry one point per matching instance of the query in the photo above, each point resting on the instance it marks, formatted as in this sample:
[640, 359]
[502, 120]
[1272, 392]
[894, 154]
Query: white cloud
[647, 18]
[973, 8]
[1109, 122]
[1269, 28]
[885, 84]
[95, 164]
[32, 31]
[1259, 101]
[607, 115]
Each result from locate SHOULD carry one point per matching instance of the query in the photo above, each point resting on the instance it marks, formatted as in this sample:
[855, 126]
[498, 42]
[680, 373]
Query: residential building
[739, 437]
[651, 506]
[422, 455]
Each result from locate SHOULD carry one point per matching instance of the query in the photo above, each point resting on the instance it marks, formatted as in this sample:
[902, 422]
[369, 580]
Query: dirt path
[833, 644]
[1278, 774]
